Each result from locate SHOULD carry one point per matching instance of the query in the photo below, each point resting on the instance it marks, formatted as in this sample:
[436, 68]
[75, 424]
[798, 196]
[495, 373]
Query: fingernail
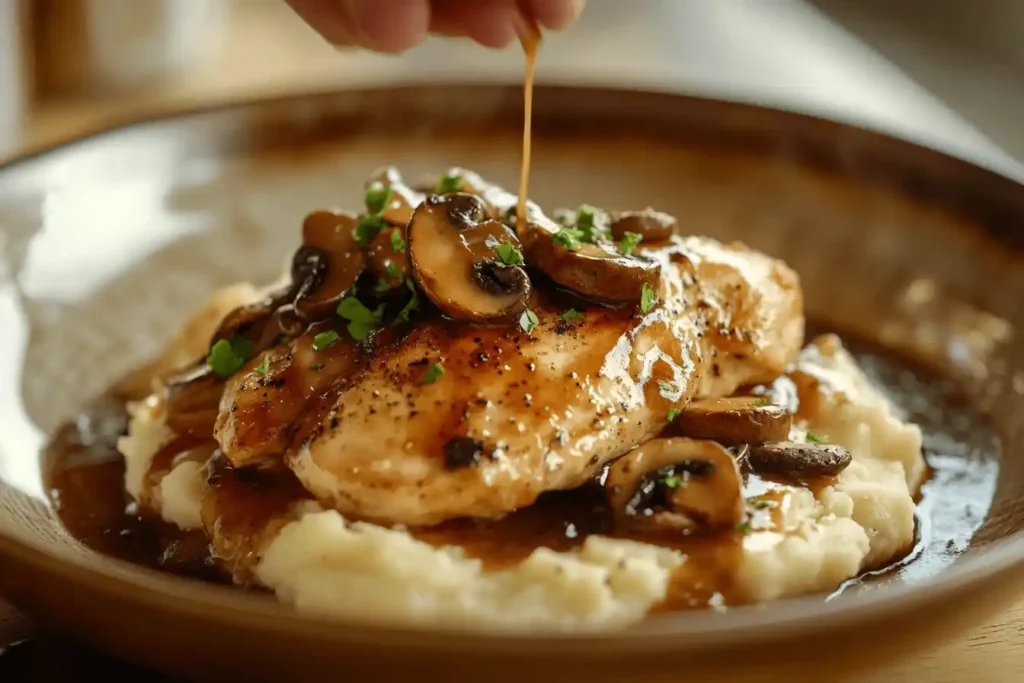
[577, 8]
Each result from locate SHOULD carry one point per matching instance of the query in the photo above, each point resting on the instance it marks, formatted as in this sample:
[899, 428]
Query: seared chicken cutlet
[455, 421]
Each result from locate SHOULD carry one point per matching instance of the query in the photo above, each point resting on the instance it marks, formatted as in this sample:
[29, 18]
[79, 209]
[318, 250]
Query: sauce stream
[529, 36]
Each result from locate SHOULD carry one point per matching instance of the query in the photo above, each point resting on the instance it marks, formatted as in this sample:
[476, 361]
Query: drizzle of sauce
[529, 36]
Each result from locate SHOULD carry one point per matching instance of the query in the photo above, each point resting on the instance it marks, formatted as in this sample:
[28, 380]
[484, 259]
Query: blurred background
[945, 73]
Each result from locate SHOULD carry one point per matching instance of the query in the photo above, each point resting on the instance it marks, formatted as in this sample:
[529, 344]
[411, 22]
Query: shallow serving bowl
[108, 242]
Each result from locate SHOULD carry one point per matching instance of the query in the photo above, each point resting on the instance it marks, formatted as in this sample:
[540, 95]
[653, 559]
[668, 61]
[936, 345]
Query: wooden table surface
[293, 60]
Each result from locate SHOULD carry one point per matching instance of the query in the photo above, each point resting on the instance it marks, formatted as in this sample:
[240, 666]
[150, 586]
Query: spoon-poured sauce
[529, 36]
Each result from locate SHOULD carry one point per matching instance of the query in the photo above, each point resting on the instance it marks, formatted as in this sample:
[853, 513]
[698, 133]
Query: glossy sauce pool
[86, 478]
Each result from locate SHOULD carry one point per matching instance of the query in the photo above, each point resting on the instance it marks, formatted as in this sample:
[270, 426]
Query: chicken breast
[455, 421]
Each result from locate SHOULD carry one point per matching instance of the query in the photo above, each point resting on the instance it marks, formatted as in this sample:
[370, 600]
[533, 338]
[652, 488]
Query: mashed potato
[324, 565]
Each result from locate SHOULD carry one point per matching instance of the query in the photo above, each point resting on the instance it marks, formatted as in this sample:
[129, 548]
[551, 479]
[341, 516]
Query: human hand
[397, 25]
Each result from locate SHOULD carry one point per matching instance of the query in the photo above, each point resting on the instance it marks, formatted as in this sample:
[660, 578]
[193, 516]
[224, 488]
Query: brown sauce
[87, 484]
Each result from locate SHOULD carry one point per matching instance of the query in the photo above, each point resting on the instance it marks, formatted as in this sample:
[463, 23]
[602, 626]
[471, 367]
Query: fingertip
[393, 26]
[555, 14]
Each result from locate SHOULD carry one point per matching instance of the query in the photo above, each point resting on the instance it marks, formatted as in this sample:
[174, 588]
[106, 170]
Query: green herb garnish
[813, 438]
[673, 413]
[672, 482]
[324, 339]
[587, 224]
[435, 371]
[393, 270]
[646, 298]
[743, 527]
[316, 366]
[367, 228]
[377, 198]
[760, 402]
[572, 314]
[450, 182]
[585, 216]
[227, 357]
[412, 305]
[667, 387]
[264, 366]
[629, 241]
[527, 321]
[361, 320]
[568, 238]
[508, 255]
[397, 243]
[383, 285]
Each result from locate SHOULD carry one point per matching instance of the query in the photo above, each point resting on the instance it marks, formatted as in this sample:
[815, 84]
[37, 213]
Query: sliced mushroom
[593, 270]
[677, 484]
[798, 461]
[258, 322]
[653, 226]
[192, 399]
[733, 421]
[327, 265]
[403, 200]
[452, 253]
[388, 266]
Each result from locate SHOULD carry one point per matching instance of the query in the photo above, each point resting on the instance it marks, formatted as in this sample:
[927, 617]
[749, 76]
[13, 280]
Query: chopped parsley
[527, 321]
[760, 402]
[673, 482]
[450, 182]
[435, 371]
[264, 366]
[646, 298]
[412, 305]
[586, 215]
[589, 226]
[629, 241]
[673, 413]
[397, 243]
[367, 228]
[393, 270]
[361, 320]
[762, 504]
[324, 339]
[383, 285]
[316, 366]
[227, 357]
[508, 255]
[377, 198]
[572, 314]
[813, 438]
[743, 527]
[569, 238]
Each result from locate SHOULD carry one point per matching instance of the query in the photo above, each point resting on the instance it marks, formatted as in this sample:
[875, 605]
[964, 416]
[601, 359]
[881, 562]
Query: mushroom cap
[653, 226]
[798, 461]
[452, 252]
[734, 421]
[708, 495]
[192, 400]
[593, 270]
[328, 263]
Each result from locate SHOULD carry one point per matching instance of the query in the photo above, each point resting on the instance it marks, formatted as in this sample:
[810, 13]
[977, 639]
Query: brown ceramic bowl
[110, 240]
